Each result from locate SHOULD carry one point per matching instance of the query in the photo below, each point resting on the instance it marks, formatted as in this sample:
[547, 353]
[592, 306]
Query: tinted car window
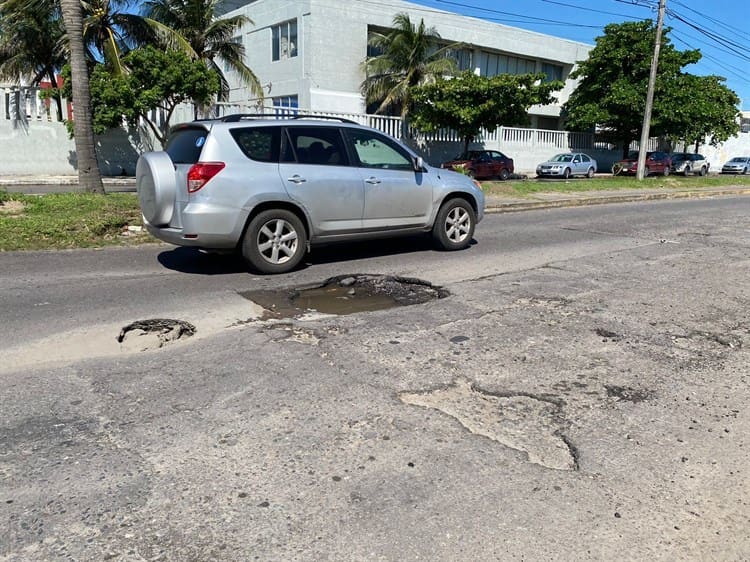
[259, 143]
[315, 145]
[375, 151]
[184, 145]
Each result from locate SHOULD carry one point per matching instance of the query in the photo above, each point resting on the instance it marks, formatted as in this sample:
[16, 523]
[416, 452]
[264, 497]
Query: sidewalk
[493, 204]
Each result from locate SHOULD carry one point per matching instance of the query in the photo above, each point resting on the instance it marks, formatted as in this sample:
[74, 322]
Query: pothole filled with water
[346, 294]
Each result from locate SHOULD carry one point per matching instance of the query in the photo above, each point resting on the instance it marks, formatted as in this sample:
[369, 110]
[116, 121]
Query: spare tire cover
[156, 184]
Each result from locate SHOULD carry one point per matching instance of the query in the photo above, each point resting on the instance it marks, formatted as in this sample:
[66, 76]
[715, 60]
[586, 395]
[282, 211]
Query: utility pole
[650, 93]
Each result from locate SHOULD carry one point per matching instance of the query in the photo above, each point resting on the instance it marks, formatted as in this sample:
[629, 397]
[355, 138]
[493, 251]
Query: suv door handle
[372, 180]
[296, 178]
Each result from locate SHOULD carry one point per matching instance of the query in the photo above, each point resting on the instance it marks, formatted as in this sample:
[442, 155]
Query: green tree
[703, 109]
[410, 55]
[468, 103]
[206, 37]
[158, 80]
[32, 43]
[611, 93]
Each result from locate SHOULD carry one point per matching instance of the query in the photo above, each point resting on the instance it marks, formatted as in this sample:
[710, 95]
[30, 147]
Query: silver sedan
[737, 165]
[567, 165]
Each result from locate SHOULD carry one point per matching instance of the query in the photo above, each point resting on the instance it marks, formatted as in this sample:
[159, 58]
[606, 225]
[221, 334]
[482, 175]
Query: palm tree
[111, 33]
[31, 44]
[89, 176]
[410, 55]
[208, 37]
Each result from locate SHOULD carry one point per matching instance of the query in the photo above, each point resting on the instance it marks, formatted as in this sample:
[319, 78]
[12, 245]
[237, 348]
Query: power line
[735, 48]
[578, 7]
[727, 68]
[720, 23]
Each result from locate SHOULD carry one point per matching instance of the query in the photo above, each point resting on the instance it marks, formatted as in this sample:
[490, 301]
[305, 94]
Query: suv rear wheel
[275, 241]
[454, 225]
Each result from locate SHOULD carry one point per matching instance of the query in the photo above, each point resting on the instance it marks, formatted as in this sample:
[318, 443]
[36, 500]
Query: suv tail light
[200, 173]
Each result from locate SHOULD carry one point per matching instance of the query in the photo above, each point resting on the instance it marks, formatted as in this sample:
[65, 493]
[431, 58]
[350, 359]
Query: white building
[308, 53]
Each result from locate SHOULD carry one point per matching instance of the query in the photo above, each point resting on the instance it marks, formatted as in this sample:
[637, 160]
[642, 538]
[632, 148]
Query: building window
[494, 64]
[284, 40]
[553, 71]
[286, 105]
[745, 125]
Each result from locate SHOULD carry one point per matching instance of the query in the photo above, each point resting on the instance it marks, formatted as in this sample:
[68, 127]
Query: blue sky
[720, 29]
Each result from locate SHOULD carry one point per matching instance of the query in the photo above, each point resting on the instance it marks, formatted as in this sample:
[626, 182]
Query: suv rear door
[396, 196]
[315, 171]
[184, 147]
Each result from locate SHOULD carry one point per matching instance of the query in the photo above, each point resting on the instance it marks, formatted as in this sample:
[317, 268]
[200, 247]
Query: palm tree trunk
[89, 176]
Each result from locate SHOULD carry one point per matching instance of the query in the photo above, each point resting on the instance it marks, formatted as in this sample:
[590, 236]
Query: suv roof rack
[241, 116]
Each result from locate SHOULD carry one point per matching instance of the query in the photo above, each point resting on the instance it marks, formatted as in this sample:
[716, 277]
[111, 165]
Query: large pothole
[155, 332]
[525, 423]
[346, 294]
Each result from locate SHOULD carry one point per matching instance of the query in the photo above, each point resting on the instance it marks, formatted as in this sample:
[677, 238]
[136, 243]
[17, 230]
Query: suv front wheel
[454, 225]
[275, 241]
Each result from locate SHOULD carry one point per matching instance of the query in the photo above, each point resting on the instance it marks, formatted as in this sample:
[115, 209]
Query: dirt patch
[12, 208]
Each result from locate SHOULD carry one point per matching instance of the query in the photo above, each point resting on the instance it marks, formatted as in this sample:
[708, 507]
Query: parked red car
[482, 164]
[656, 163]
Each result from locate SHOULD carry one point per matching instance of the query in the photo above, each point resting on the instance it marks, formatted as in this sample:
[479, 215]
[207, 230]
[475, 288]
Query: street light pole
[650, 93]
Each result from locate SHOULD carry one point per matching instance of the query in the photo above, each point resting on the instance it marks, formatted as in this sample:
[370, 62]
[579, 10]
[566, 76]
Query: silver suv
[686, 163]
[272, 188]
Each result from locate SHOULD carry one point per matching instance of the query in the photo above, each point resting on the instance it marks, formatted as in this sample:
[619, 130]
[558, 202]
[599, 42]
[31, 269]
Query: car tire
[566, 173]
[454, 225]
[504, 174]
[646, 171]
[686, 171]
[703, 171]
[590, 173]
[275, 241]
[156, 187]
[744, 171]
[665, 173]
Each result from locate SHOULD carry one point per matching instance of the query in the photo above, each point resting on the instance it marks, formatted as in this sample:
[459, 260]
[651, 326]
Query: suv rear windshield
[184, 145]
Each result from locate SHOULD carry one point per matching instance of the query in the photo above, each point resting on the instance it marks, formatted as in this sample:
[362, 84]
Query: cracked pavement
[592, 407]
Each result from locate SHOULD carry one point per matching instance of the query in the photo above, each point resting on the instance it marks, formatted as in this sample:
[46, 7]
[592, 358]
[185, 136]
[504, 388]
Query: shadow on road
[194, 261]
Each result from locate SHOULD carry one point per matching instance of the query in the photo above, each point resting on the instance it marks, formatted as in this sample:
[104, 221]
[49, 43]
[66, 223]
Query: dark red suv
[656, 163]
[482, 164]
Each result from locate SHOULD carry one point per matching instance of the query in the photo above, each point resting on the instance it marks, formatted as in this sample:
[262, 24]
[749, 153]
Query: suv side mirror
[418, 164]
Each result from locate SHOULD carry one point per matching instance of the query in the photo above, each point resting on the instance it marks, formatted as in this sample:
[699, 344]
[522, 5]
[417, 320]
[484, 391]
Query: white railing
[22, 104]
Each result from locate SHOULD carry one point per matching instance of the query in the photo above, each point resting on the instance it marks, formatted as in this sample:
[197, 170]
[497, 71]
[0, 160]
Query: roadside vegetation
[525, 187]
[62, 221]
[69, 220]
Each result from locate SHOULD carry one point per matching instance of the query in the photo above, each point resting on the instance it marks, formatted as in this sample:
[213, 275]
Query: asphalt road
[580, 395]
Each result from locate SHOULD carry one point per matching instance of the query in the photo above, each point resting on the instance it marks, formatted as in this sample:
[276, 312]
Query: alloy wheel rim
[457, 225]
[277, 241]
